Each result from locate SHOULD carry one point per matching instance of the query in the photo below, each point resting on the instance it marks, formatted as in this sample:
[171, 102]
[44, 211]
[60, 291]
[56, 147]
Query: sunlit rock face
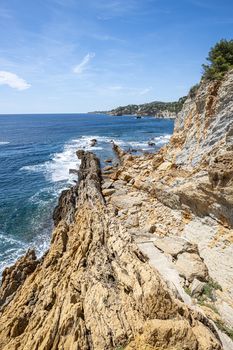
[131, 241]
[205, 122]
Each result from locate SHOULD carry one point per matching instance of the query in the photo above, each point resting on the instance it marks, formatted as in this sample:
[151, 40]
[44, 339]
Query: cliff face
[204, 125]
[131, 245]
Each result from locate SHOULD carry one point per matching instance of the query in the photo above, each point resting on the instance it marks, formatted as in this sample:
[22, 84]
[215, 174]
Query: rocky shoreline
[141, 253]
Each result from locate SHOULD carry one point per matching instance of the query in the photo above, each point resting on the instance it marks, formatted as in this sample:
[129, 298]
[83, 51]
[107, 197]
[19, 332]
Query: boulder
[191, 266]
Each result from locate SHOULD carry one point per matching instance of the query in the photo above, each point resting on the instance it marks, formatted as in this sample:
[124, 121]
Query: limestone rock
[174, 245]
[171, 335]
[108, 191]
[191, 266]
[107, 184]
[196, 287]
[126, 201]
[13, 277]
[95, 289]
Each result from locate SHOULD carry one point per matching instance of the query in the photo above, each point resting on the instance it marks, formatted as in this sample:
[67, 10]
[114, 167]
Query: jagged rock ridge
[94, 289]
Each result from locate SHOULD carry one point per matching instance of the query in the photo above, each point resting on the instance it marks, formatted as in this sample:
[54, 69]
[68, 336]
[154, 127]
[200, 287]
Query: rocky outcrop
[204, 126]
[95, 289]
[189, 186]
[13, 277]
[134, 257]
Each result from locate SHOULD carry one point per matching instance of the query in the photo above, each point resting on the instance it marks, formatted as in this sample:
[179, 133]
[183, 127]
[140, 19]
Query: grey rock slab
[174, 245]
[159, 261]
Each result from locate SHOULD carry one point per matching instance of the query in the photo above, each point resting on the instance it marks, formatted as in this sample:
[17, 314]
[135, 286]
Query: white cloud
[79, 69]
[144, 91]
[12, 80]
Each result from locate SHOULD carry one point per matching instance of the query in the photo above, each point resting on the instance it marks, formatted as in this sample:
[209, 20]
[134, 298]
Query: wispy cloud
[144, 91]
[81, 67]
[119, 90]
[13, 80]
[115, 8]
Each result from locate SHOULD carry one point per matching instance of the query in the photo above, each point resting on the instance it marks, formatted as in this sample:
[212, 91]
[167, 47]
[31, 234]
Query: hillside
[158, 109]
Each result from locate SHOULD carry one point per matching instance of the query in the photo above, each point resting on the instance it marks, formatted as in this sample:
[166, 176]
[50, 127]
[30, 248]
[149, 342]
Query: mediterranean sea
[36, 153]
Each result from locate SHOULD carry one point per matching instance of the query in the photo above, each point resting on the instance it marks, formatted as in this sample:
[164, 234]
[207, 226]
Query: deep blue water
[36, 153]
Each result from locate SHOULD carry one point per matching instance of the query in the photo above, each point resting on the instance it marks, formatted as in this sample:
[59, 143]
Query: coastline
[134, 257]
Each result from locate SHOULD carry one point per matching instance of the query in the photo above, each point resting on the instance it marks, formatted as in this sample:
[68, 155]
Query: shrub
[193, 90]
[228, 331]
[220, 60]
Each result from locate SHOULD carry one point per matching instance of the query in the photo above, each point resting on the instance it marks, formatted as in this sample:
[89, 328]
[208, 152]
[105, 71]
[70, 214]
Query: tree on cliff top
[221, 60]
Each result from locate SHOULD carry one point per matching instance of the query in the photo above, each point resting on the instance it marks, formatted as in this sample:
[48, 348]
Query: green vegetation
[210, 306]
[154, 108]
[228, 331]
[193, 90]
[220, 60]
[208, 291]
[188, 291]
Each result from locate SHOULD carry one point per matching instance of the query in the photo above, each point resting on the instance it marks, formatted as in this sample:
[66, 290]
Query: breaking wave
[58, 168]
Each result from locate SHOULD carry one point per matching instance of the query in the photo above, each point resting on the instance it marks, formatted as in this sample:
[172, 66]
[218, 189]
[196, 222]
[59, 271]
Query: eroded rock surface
[131, 244]
[95, 289]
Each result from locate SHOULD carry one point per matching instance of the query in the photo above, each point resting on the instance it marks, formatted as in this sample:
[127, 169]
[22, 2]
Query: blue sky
[83, 55]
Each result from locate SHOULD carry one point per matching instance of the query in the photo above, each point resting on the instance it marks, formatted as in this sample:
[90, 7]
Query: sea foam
[57, 169]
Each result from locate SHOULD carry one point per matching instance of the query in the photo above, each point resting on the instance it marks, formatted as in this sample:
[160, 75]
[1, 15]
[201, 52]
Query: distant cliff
[156, 108]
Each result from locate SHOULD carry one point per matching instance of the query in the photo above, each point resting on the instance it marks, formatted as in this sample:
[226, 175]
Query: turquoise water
[36, 153]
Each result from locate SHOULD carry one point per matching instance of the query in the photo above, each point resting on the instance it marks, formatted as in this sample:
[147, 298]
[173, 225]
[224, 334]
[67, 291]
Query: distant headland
[156, 108]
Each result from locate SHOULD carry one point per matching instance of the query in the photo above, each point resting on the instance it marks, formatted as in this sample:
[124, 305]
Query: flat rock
[107, 184]
[174, 245]
[108, 191]
[126, 201]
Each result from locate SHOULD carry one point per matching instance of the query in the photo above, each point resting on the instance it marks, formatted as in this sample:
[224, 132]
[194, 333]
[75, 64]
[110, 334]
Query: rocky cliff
[141, 255]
